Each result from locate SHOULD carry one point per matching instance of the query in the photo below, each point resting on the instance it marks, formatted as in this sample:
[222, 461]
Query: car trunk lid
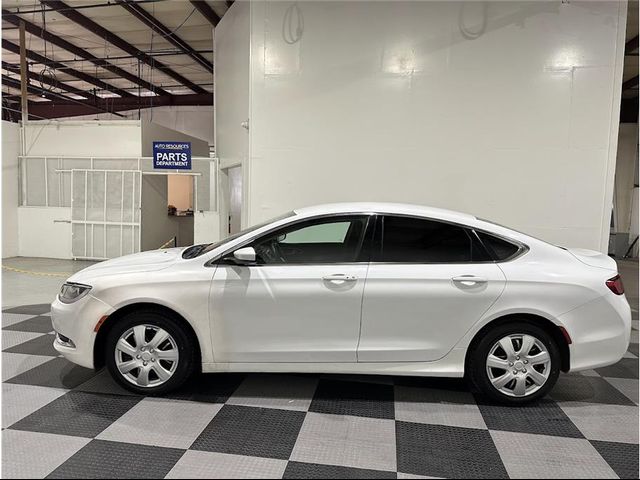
[594, 258]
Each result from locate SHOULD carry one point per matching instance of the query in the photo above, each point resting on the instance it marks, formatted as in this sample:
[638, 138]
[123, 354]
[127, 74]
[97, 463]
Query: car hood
[150, 261]
[594, 258]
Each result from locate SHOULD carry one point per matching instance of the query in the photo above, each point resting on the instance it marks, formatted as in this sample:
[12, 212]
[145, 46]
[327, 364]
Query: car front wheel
[148, 353]
[515, 363]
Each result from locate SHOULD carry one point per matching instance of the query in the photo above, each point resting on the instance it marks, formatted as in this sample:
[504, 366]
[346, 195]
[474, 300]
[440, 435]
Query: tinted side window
[337, 240]
[413, 240]
[501, 249]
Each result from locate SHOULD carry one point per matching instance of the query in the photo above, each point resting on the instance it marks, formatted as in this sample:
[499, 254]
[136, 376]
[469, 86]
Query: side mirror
[245, 256]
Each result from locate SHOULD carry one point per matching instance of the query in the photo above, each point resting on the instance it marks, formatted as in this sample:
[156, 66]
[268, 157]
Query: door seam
[364, 288]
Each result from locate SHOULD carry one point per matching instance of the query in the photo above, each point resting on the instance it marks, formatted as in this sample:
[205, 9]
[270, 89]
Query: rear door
[429, 281]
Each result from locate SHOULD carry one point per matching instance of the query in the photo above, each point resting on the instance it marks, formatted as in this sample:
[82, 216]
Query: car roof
[383, 207]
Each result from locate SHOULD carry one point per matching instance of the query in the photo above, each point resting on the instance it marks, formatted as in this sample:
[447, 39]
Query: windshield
[197, 250]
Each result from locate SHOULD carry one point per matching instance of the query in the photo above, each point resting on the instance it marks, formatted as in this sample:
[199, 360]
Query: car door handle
[469, 280]
[340, 277]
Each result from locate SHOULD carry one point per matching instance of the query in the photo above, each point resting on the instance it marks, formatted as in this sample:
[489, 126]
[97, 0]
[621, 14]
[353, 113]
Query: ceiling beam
[13, 48]
[206, 11]
[49, 81]
[150, 21]
[122, 44]
[59, 109]
[47, 36]
[98, 105]
[34, 90]
[632, 82]
[29, 9]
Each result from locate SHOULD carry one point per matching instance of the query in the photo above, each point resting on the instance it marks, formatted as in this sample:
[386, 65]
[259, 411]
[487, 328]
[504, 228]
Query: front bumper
[77, 322]
[600, 332]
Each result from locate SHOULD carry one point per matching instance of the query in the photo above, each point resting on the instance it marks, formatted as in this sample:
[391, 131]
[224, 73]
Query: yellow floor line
[41, 274]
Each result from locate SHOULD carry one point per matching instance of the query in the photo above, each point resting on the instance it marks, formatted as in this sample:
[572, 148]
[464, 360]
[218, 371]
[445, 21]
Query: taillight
[615, 285]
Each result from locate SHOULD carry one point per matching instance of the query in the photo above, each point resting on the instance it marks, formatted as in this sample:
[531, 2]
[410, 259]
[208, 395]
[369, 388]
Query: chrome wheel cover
[518, 365]
[146, 355]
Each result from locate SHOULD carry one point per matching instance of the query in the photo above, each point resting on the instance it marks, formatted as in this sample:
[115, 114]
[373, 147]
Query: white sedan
[351, 288]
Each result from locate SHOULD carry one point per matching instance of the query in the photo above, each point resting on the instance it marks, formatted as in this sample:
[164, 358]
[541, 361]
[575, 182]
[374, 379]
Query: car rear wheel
[515, 363]
[148, 353]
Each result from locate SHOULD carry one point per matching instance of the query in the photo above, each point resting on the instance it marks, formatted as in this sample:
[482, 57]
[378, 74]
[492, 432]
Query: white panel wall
[231, 47]
[508, 112]
[10, 152]
[44, 232]
[192, 120]
[83, 138]
[206, 227]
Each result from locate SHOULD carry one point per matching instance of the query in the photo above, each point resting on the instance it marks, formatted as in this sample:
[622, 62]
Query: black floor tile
[209, 387]
[544, 417]
[354, 398]
[42, 345]
[39, 324]
[436, 383]
[633, 348]
[38, 309]
[625, 368]
[621, 457]
[56, 373]
[258, 432]
[102, 459]
[78, 414]
[102, 382]
[583, 388]
[449, 452]
[313, 470]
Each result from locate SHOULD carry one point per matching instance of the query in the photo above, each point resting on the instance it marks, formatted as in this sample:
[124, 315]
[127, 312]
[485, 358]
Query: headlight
[71, 292]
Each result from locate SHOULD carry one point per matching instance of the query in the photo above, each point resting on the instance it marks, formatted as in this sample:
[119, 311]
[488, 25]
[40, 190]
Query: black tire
[476, 365]
[184, 343]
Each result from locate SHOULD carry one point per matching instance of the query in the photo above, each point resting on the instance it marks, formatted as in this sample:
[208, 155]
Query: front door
[300, 302]
[427, 284]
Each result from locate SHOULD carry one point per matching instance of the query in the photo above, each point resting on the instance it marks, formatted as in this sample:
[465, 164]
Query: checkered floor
[62, 421]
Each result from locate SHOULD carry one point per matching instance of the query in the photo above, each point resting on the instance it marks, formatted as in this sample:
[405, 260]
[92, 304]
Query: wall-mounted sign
[172, 155]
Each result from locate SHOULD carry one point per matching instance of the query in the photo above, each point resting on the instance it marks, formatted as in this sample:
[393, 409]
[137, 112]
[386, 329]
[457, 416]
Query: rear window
[501, 249]
[413, 240]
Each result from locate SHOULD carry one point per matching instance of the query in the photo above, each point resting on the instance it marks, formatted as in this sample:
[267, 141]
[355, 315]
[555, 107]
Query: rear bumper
[77, 321]
[600, 332]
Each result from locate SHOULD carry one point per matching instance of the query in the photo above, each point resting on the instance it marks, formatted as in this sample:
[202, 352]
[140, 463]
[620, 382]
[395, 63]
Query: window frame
[364, 249]
[521, 247]
[377, 243]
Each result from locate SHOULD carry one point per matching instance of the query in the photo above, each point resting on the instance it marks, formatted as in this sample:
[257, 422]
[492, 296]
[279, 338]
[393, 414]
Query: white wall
[83, 138]
[44, 232]
[10, 152]
[153, 132]
[512, 119]
[196, 121]
[192, 120]
[231, 69]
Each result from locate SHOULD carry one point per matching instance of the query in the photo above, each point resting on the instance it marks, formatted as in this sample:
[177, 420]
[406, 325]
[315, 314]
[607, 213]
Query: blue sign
[172, 155]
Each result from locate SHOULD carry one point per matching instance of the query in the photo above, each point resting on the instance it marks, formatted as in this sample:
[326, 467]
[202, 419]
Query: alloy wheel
[518, 365]
[146, 355]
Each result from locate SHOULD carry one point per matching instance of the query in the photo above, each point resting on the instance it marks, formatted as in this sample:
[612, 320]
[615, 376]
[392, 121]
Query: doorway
[168, 201]
[231, 200]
